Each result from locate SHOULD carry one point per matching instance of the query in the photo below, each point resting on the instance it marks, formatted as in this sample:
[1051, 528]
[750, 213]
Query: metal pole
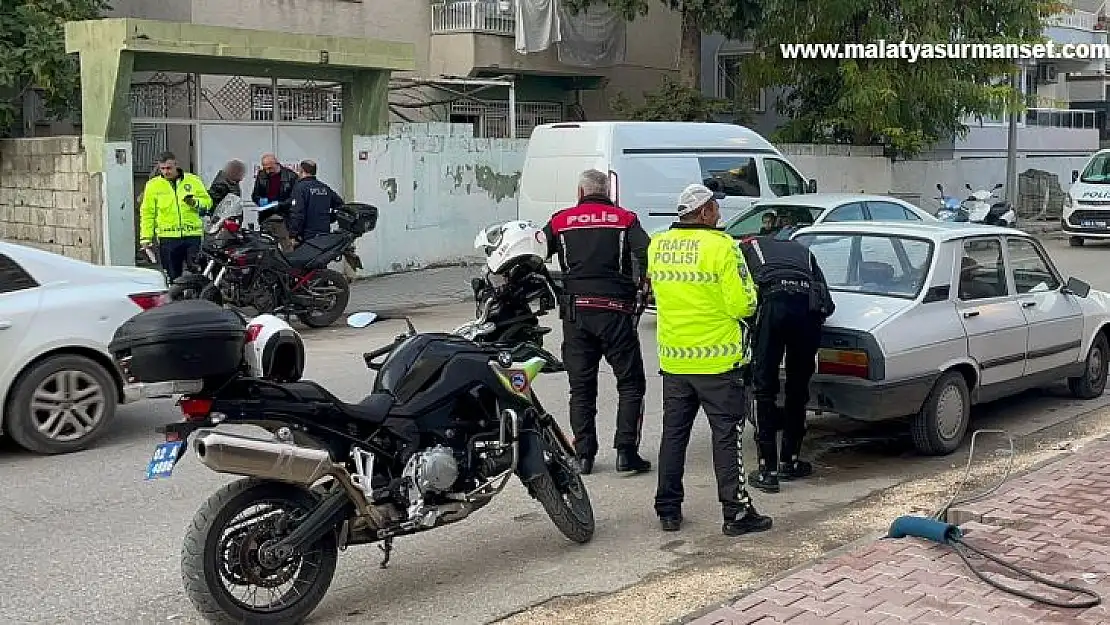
[274, 112]
[1011, 145]
[512, 110]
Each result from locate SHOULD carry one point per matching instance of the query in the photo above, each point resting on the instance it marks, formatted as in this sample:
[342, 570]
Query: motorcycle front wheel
[561, 491]
[220, 566]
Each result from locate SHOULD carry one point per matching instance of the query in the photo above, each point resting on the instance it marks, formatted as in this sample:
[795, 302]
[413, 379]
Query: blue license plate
[161, 463]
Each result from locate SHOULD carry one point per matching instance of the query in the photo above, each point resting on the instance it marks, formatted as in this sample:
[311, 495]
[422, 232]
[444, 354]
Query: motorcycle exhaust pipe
[262, 458]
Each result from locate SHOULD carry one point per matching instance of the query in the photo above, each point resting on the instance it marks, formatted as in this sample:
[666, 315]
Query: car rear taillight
[253, 331]
[146, 301]
[195, 409]
[850, 362]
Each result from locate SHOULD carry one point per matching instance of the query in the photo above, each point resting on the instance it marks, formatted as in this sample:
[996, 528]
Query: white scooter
[981, 210]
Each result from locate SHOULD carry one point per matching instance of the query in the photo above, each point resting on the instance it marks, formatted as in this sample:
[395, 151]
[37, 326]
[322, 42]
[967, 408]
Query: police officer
[171, 209]
[702, 292]
[310, 214]
[794, 302]
[602, 250]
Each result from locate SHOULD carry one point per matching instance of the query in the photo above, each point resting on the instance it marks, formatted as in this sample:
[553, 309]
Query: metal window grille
[730, 87]
[493, 116]
[297, 104]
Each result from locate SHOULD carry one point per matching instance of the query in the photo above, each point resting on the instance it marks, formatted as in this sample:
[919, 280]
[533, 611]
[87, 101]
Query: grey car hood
[859, 311]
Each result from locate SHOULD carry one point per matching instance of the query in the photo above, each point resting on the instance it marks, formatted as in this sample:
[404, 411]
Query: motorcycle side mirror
[361, 319]
[998, 186]
[940, 188]
[968, 187]
[1077, 287]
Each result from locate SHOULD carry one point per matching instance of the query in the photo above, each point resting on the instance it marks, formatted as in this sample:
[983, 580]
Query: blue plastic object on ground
[922, 527]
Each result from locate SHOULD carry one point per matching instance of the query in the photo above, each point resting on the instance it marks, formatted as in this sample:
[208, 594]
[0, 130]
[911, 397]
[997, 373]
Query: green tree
[675, 102]
[867, 101]
[32, 37]
[728, 17]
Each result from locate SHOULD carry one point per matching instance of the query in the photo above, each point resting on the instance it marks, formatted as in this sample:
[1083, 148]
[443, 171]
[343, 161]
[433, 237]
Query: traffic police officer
[602, 250]
[794, 302]
[702, 292]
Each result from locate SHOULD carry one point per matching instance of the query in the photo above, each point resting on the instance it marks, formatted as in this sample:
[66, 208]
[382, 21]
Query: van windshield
[1097, 171]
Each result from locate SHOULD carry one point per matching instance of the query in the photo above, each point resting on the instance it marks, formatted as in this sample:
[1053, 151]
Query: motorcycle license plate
[161, 463]
[1093, 224]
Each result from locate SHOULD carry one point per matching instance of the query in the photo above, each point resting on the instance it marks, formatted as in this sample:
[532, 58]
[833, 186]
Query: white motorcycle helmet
[507, 244]
[273, 350]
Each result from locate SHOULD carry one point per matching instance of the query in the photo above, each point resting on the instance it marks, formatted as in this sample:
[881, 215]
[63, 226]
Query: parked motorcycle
[450, 419]
[950, 209]
[982, 210]
[246, 268]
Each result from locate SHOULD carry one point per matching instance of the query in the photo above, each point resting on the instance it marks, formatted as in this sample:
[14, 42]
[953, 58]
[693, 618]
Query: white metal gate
[208, 120]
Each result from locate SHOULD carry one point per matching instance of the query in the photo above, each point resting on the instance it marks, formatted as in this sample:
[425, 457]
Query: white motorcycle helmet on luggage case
[507, 243]
[274, 350]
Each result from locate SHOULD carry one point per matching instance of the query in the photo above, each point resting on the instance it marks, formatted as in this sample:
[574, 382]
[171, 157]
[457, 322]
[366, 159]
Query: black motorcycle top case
[184, 340]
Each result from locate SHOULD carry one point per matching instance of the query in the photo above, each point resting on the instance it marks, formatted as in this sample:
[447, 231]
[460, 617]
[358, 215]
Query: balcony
[488, 17]
[1060, 118]
[1078, 20]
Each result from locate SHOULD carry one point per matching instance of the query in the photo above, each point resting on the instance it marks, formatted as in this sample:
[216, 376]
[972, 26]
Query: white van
[649, 163]
[1087, 203]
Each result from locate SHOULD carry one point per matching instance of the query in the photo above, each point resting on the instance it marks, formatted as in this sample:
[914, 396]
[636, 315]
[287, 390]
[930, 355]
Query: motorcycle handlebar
[370, 357]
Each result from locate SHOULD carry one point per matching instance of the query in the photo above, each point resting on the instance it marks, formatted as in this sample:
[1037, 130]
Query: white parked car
[818, 208]
[59, 387]
[932, 318]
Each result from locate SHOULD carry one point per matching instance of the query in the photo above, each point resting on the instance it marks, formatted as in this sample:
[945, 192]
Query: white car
[59, 388]
[818, 208]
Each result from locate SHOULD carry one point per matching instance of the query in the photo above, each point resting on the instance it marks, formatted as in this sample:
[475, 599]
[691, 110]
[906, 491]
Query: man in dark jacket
[312, 206]
[228, 181]
[274, 185]
[794, 301]
[602, 250]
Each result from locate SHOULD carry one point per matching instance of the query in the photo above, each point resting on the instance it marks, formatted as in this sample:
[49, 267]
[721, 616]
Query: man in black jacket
[228, 181]
[794, 301]
[602, 250]
[274, 185]
[311, 209]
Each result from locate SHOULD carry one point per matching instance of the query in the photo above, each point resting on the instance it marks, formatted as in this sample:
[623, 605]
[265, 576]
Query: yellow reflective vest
[702, 291]
[164, 212]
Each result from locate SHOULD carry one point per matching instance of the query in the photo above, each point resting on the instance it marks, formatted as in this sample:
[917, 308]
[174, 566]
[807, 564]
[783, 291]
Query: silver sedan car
[932, 318]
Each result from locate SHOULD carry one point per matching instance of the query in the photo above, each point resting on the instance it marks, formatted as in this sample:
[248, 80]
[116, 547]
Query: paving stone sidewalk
[416, 289]
[1054, 521]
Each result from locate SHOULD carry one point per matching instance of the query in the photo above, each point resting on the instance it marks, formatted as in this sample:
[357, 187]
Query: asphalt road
[86, 540]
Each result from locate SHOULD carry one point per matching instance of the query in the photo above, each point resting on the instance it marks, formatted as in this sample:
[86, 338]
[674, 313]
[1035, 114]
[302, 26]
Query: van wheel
[939, 427]
[1093, 381]
[1075, 241]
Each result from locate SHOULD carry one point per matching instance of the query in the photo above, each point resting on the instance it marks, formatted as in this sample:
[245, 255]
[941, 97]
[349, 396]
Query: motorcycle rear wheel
[221, 550]
[336, 304]
[563, 495]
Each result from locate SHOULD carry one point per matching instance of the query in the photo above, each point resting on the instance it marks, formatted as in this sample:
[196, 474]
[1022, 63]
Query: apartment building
[467, 51]
[1066, 99]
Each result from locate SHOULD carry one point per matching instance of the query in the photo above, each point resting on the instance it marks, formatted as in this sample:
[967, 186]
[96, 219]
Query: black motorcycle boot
[765, 478]
[748, 523]
[793, 468]
[629, 461]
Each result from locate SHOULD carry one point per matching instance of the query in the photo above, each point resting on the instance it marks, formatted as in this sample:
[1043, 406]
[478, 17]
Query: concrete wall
[436, 186]
[47, 200]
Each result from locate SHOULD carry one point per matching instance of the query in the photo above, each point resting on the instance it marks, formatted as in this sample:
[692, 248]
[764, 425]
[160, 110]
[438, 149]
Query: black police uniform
[794, 302]
[310, 212]
[602, 251]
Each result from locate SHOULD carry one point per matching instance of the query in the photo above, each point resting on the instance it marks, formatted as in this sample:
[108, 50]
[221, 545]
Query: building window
[729, 86]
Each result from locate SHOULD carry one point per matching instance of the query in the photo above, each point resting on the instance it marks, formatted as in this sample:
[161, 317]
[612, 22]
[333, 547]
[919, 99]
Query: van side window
[782, 178]
[731, 175]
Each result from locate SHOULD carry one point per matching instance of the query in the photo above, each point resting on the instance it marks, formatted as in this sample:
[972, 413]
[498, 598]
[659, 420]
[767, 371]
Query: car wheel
[939, 427]
[61, 404]
[1075, 241]
[1093, 381]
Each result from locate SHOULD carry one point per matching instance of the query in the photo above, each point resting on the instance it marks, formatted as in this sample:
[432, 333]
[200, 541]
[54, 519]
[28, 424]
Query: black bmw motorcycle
[452, 417]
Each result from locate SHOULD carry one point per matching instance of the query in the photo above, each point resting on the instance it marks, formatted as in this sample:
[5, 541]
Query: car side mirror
[1074, 175]
[1075, 286]
[968, 186]
[811, 187]
[940, 188]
